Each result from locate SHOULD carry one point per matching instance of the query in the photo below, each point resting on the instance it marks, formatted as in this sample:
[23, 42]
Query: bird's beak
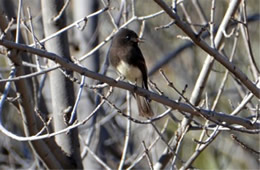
[140, 40]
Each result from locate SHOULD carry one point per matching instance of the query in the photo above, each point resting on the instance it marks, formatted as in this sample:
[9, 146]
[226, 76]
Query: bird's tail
[144, 107]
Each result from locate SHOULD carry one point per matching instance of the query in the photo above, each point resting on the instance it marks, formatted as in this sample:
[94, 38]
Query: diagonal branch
[216, 116]
[213, 52]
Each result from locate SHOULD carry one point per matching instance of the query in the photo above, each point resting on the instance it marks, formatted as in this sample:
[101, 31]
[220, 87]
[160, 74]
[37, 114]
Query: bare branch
[220, 58]
[161, 99]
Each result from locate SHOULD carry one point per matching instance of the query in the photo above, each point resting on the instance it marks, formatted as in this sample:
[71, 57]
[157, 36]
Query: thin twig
[187, 17]
[212, 52]
[140, 91]
[150, 147]
[95, 156]
[147, 155]
[34, 39]
[7, 29]
[247, 42]
[127, 132]
[200, 12]
[211, 23]
[30, 75]
[244, 146]
[162, 137]
[18, 21]
[202, 145]
[74, 24]
[55, 18]
[109, 14]
[73, 112]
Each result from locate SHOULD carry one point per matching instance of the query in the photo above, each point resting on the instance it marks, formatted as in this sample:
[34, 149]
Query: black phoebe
[128, 60]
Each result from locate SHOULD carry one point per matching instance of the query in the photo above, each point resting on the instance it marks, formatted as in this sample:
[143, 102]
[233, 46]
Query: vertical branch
[204, 74]
[18, 21]
[246, 38]
[200, 147]
[33, 38]
[62, 91]
[86, 40]
[128, 131]
[40, 147]
[211, 23]
[4, 95]
[133, 7]
[208, 63]
[102, 136]
[38, 98]
[74, 110]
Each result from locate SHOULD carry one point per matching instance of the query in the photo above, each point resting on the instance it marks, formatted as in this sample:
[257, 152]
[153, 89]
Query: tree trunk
[62, 92]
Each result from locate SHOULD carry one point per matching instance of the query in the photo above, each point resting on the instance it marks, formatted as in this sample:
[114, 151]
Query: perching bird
[127, 58]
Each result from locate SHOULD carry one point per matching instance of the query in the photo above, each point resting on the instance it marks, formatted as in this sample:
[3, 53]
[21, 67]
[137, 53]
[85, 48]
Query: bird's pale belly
[130, 72]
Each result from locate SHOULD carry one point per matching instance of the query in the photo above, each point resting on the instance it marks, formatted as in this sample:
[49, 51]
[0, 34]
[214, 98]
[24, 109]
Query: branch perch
[216, 116]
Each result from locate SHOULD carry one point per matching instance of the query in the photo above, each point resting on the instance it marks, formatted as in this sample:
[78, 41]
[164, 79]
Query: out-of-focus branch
[244, 146]
[213, 52]
[202, 146]
[74, 24]
[198, 89]
[29, 120]
[62, 91]
[221, 117]
[150, 147]
[127, 132]
[246, 37]
[199, 9]
[188, 44]
[217, 41]
[187, 17]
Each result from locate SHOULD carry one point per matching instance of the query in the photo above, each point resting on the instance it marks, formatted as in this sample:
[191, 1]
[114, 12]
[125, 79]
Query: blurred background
[163, 48]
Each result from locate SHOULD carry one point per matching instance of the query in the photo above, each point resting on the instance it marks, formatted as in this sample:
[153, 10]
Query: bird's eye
[127, 37]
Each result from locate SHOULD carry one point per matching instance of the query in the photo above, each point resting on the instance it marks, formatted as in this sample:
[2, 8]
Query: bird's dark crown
[126, 36]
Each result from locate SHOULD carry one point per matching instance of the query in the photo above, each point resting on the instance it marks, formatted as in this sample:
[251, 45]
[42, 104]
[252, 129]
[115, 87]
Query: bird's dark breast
[125, 53]
[134, 56]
